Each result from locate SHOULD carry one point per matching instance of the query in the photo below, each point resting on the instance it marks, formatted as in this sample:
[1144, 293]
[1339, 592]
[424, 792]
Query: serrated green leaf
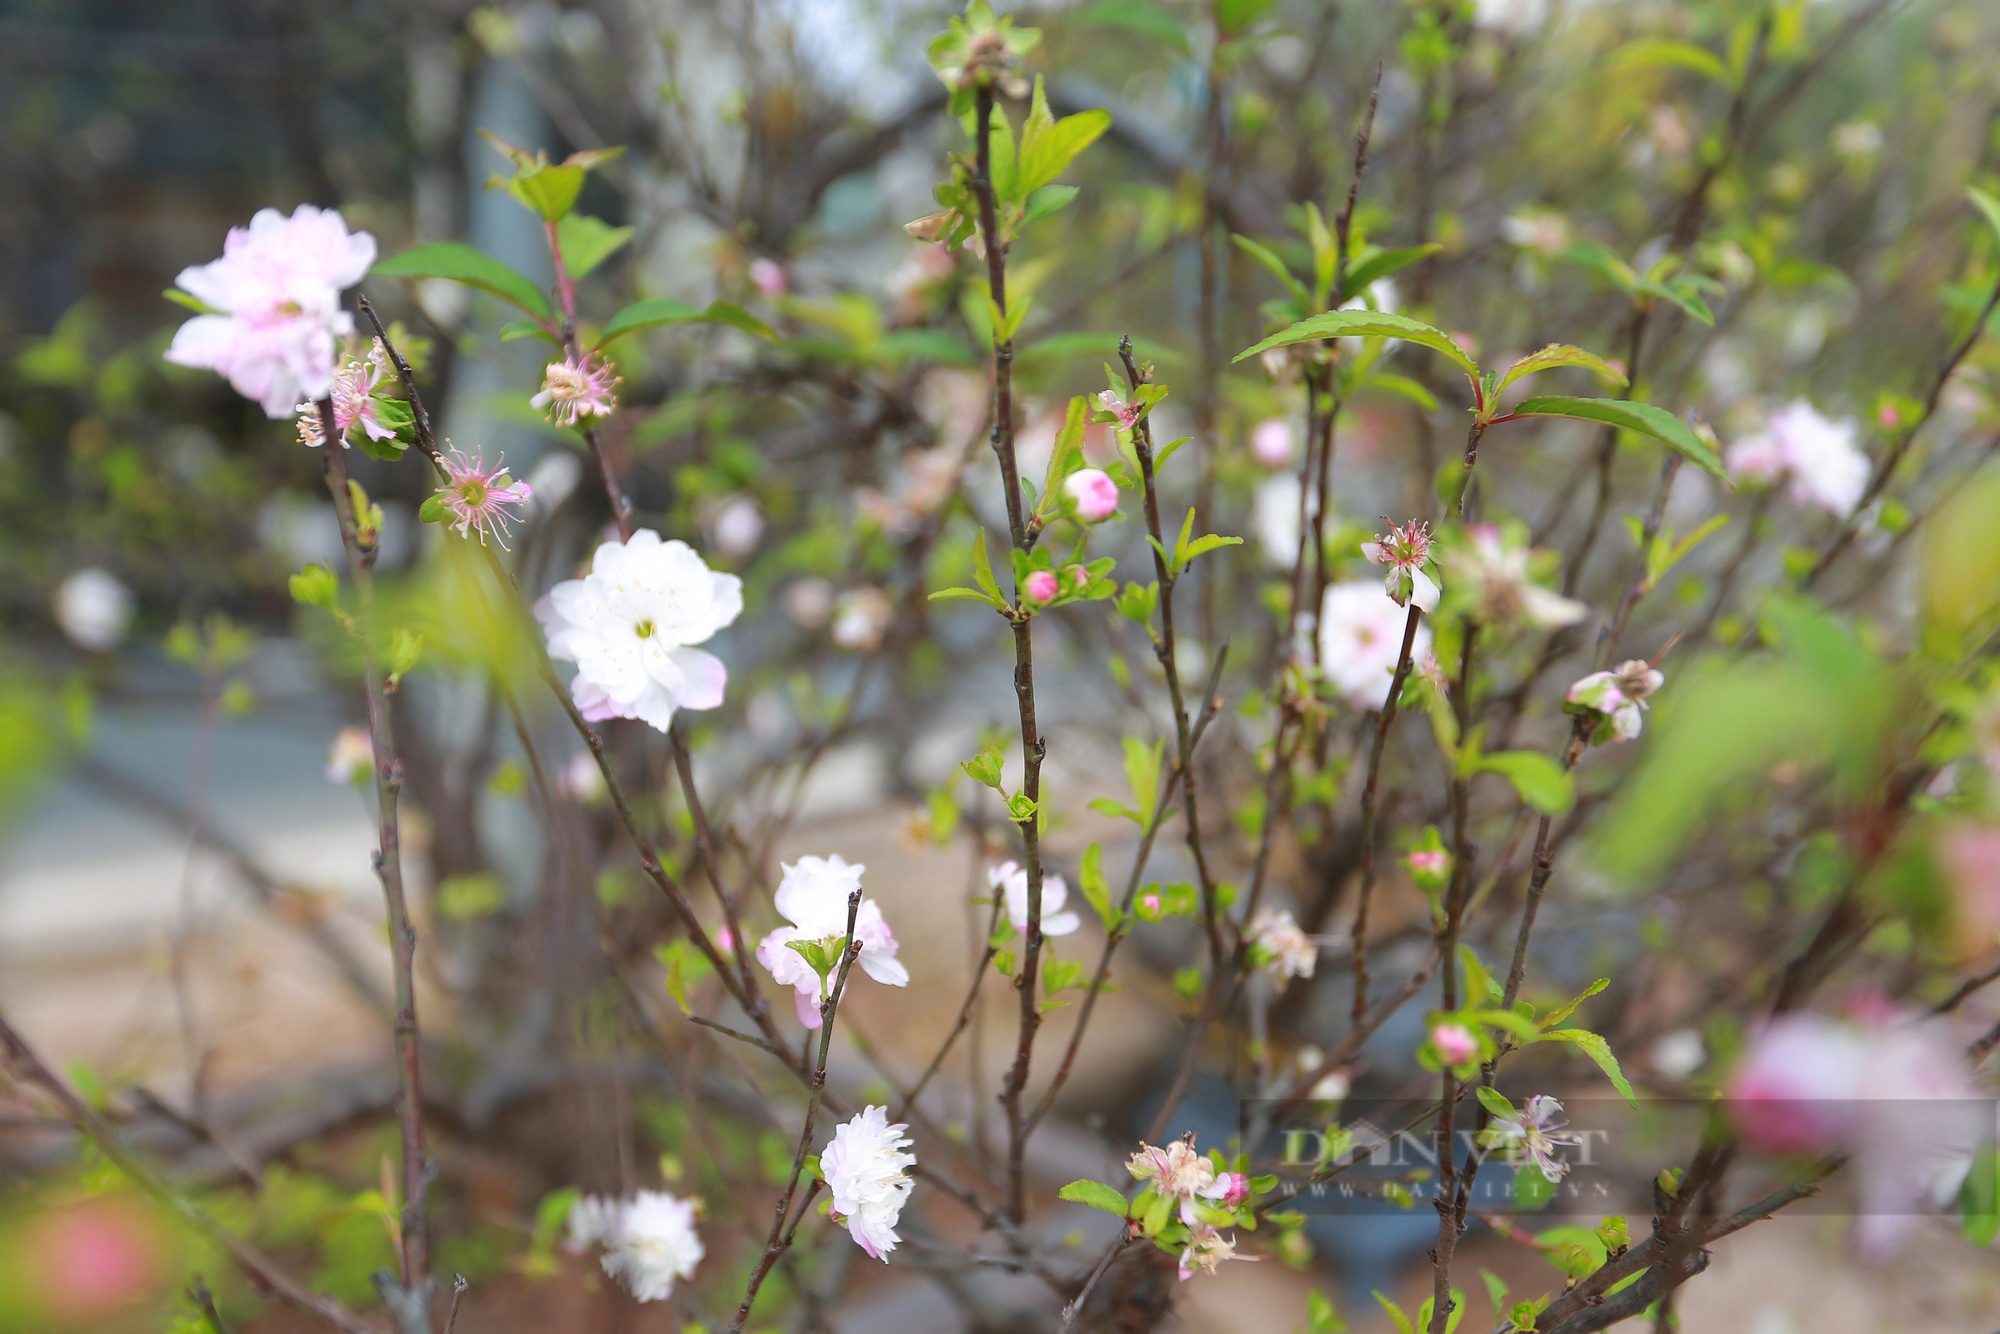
[1598, 1050]
[1265, 256]
[1372, 268]
[1403, 1325]
[1643, 418]
[1541, 781]
[1095, 1194]
[463, 264]
[1563, 1012]
[587, 242]
[1367, 324]
[1560, 354]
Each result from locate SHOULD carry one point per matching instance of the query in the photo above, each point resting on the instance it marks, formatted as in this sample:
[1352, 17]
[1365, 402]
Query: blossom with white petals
[1280, 945]
[1492, 578]
[1361, 639]
[272, 306]
[865, 1169]
[1534, 1133]
[1271, 442]
[353, 398]
[575, 391]
[93, 608]
[1011, 879]
[649, 1240]
[1206, 1250]
[351, 756]
[813, 897]
[1616, 699]
[1817, 457]
[630, 626]
[1405, 550]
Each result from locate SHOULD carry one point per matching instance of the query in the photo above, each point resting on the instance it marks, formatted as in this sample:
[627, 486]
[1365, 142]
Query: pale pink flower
[1127, 413]
[649, 1241]
[866, 1169]
[1535, 1134]
[1011, 880]
[1616, 698]
[813, 896]
[1435, 862]
[478, 496]
[573, 391]
[93, 607]
[861, 617]
[275, 298]
[353, 403]
[1287, 951]
[351, 757]
[1271, 442]
[1040, 586]
[1178, 1172]
[1405, 550]
[1360, 638]
[1206, 1250]
[769, 277]
[1456, 1044]
[1819, 457]
[1094, 494]
[1490, 575]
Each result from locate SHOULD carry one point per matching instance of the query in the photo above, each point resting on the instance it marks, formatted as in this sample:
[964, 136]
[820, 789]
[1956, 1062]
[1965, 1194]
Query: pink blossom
[273, 305]
[573, 390]
[1437, 863]
[1127, 413]
[1455, 1043]
[478, 497]
[353, 401]
[769, 276]
[1824, 466]
[1405, 550]
[1271, 442]
[1094, 494]
[1040, 586]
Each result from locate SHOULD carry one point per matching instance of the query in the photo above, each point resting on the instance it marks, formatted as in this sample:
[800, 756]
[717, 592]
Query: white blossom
[649, 1241]
[1817, 457]
[1290, 951]
[1618, 698]
[630, 626]
[865, 1171]
[813, 896]
[1360, 638]
[1011, 879]
[93, 608]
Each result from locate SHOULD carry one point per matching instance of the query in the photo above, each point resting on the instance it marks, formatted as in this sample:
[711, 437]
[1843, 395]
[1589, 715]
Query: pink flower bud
[1040, 586]
[1095, 494]
[1888, 417]
[1150, 902]
[768, 276]
[725, 941]
[1455, 1043]
[1235, 1188]
[1271, 442]
[1436, 863]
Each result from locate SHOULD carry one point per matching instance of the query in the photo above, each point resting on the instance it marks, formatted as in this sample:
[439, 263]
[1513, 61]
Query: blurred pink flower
[273, 306]
[1127, 413]
[1095, 494]
[87, 1262]
[1819, 458]
[1271, 442]
[1455, 1043]
[769, 276]
[1360, 639]
[573, 390]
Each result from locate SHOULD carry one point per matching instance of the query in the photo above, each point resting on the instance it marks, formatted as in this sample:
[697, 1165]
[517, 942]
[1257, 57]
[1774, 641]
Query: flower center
[643, 629]
[472, 493]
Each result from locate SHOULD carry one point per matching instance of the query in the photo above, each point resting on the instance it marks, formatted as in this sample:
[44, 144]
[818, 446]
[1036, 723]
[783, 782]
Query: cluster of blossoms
[1818, 459]
[813, 897]
[1176, 1172]
[1405, 550]
[649, 1240]
[1615, 701]
[1534, 1133]
[1360, 640]
[271, 306]
[354, 404]
[866, 1172]
[576, 390]
[630, 627]
[1279, 945]
[1891, 1091]
[1010, 880]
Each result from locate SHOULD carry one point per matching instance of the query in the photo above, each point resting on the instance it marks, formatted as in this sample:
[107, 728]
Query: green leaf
[432, 510]
[1264, 255]
[1372, 268]
[1666, 52]
[1233, 16]
[1400, 385]
[315, 586]
[1048, 146]
[1561, 354]
[1979, 1199]
[1142, 773]
[1479, 985]
[1541, 781]
[463, 264]
[1563, 1012]
[1598, 1050]
[1493, 1101]
[1201, 546]
[1627, 415]
[1403, 1325]
[923, 345]
[1496, 1291]
[1367, 324]
[964, 595]
[1984, 202]
[664, 310]
[1096, 892]
[1682, 296]
[1133, 16]
[1050, 199]
[1095, 1194]
[550, 192]
[587, 242]
[190, 300]
[1157, 1214]
[518, 329]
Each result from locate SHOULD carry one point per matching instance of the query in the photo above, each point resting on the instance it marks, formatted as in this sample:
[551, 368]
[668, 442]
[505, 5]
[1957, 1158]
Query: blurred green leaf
[1367, 324]
[1134, 16]
[587, 242]
[1643, 418]
[463, 264]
